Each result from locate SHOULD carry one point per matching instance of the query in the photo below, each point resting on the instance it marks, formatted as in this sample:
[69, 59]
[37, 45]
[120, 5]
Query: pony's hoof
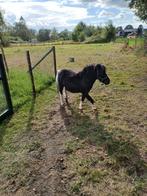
[94, 108]
[62, 105]
[66, 100]
[80, 110]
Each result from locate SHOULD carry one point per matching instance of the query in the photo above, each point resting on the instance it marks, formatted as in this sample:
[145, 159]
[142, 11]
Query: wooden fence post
[31, 73]
[55, 63]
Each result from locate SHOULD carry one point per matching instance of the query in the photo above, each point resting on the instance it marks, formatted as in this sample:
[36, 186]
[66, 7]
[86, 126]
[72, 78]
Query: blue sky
[67, 13]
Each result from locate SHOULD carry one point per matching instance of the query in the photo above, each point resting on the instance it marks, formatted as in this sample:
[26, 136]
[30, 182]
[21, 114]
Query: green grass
[26, 110]
[135, 43]
[14, 133]
[21, 87]
[138, 42]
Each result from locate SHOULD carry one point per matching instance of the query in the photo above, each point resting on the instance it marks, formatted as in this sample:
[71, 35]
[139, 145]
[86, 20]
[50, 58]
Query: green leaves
[140, 7]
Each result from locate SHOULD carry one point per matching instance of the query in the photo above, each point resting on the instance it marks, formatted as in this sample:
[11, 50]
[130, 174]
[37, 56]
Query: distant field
[135, 43]
[107, 152]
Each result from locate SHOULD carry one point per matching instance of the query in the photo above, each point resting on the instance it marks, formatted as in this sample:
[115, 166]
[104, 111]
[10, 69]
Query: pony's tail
[57, 80]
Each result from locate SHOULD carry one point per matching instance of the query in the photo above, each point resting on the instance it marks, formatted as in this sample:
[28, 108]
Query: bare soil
[45, 171]
[48, 174]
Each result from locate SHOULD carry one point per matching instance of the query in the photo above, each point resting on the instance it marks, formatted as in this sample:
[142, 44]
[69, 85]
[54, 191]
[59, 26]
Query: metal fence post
[9, 111]
[31, 73]
[54, 58]
[4, 57]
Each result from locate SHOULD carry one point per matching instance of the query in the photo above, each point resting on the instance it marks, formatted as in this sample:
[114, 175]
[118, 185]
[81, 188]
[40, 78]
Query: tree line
[19, 32]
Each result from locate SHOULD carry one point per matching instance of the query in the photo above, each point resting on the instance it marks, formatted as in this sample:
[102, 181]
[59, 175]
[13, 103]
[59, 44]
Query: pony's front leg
[91, 101]
[81, 101]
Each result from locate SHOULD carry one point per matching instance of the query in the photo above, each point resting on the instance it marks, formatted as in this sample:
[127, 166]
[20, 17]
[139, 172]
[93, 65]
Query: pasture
[46, 150]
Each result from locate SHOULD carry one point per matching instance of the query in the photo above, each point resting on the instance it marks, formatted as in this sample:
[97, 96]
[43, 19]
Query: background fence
[42, 71]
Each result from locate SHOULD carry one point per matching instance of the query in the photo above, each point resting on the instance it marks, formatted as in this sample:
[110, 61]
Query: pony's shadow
[87, 127]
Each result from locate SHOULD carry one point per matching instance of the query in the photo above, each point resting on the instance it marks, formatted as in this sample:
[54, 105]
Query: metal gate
[6, 107]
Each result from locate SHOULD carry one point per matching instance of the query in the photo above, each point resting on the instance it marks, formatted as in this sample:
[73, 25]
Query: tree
[54, 34]
[3, 31]
[140, 8]
[140, 31]
[75, 36]
[44, 35]
[82, 37]
[65, 34]
[90, 30]
[21, 30]
[1, 19]
[2, 23]
[109, 32]
[79, 28]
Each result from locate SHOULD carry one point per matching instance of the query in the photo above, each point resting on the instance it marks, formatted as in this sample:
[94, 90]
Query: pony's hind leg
[61, 95]
[65, 95]
[59, 87]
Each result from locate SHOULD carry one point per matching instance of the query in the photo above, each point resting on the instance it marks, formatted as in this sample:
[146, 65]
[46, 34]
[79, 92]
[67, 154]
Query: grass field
[134, 43]
[107, 152]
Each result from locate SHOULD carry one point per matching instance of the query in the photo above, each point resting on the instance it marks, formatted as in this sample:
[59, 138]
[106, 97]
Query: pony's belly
[73, 90]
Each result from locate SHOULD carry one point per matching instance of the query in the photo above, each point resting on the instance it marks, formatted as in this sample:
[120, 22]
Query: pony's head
[101, 74]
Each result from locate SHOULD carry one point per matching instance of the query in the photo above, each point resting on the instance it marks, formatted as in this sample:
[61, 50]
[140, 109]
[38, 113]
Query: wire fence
[26, 83]
[44, 69]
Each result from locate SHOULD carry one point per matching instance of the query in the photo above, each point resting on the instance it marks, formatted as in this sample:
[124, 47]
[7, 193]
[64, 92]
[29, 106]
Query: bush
[82, 37]
[109, 32]
[75, 37]
[5, 41]
[95, 39]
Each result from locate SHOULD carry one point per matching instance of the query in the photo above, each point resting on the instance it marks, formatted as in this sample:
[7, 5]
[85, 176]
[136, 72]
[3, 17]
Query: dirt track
[48, 175]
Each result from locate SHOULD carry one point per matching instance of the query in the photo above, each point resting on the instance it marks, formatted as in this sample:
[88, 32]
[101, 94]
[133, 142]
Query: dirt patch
[45, 171]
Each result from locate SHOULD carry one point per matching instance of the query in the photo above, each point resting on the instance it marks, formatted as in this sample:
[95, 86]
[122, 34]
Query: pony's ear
[100, 67]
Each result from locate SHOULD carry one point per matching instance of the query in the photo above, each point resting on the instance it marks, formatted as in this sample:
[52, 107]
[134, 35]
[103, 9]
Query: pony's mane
[86, 69]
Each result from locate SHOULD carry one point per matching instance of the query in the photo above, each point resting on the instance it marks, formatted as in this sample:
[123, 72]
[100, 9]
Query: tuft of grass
[73, 145]
[75, 187]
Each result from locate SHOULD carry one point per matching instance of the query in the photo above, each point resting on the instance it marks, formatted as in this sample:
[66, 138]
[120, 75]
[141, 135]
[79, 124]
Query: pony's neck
[91, 75]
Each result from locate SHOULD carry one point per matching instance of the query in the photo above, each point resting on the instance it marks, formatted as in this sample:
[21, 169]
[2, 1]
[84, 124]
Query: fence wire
[44, 72]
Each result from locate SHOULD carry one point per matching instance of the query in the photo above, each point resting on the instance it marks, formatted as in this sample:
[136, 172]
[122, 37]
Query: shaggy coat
[82, 81]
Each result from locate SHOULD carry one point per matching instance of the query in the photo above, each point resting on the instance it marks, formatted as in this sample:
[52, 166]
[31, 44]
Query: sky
[67, 13]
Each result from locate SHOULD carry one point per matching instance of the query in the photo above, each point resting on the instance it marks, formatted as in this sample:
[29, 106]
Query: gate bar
[8, 111]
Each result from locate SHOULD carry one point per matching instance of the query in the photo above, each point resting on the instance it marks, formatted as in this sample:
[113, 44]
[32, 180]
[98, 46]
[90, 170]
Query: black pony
[81, 82]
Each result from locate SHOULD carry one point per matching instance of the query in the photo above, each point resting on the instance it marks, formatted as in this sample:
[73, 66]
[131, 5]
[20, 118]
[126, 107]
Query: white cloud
[44, 14]
[105, 13]
[67, 13]
[109, 3]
